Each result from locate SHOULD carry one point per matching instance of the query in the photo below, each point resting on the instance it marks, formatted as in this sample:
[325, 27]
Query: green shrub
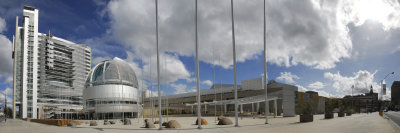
[329, 106]
[307, 109]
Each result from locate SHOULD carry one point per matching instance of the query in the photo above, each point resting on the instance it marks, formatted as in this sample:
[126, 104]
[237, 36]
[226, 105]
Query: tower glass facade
[50, 71]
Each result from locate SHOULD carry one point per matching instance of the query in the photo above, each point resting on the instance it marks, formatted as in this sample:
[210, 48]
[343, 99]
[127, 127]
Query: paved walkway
[357, 123]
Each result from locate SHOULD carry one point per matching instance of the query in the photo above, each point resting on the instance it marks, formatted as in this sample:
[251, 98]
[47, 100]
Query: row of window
[93, 103]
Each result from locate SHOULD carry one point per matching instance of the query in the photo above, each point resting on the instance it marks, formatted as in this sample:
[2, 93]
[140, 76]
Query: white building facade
[49, 72]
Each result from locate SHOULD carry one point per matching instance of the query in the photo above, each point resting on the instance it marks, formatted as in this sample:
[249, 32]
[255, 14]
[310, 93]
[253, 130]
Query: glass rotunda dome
[114, 71]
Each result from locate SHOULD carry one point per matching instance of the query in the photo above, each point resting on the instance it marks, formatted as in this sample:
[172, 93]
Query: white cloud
[301, 32]
[314, 33]
[301, 88]
[9, 100]
[373, 25]
[388, 95]
[2, 25]
[395, 50]
[309, 33]
[173, 71]
[150, 94]
[288, 77]
[207, 82]
[5, 52]
[362, 81]
[323, 93]
[190, 80]
[179, 88]
[9, 80]
[8, 91]
[386, 12]
[182, 88]
[98, 60]
[316, 85]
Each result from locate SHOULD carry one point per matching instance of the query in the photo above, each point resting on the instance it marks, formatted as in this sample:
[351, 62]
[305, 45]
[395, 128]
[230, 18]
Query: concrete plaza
[357, 123]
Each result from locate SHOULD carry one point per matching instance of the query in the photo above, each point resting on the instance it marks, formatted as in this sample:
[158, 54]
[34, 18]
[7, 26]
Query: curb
[392, 122]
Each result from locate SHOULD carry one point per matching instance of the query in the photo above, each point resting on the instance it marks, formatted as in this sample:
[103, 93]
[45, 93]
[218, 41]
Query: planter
[329, 116]
[341, 114]
[306, 118]
[348, 114]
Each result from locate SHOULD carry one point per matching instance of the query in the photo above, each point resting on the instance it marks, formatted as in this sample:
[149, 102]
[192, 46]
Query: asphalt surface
[394, 116]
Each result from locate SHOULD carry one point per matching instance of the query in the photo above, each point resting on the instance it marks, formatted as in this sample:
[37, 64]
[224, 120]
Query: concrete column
[241, 108]
[258, 107]
[252, 107]
[224, 108]
[205, 108]
[275, 107]
[192, 110]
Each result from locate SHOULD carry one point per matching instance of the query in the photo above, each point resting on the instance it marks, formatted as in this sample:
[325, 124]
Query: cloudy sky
[320, 45]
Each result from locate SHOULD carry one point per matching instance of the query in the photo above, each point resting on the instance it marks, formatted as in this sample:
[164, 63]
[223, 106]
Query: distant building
[362, 103]
[395, 93]
[49, 72]
[111, 91]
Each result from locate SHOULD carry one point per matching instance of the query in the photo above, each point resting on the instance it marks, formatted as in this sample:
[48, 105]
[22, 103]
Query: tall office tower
[49, 72]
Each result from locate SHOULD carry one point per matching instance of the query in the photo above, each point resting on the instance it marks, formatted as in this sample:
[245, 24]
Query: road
[394, 116]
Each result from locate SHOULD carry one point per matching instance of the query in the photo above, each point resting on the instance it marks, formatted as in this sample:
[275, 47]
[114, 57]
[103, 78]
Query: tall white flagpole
[151, 94]
[234, 66]
[158, 69]
[265, 71]
[197, 73]
[166, 88]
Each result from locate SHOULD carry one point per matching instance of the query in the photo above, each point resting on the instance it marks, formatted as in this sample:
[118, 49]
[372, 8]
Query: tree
[8, 112]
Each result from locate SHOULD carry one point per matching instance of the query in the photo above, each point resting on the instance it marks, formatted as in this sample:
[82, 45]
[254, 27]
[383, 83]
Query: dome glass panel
[114, 71]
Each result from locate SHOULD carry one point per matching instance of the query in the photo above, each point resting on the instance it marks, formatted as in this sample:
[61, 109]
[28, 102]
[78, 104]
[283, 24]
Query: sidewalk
[357, 123]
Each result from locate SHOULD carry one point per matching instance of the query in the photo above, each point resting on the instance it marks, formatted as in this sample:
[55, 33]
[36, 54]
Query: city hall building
[49, 72]
[219, 99]
[111, 91]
